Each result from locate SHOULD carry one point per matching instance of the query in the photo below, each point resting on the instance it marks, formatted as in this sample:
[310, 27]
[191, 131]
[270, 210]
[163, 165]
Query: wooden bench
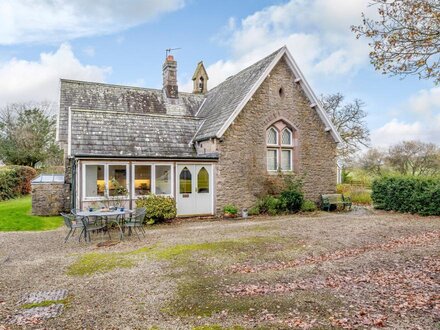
[332, 201]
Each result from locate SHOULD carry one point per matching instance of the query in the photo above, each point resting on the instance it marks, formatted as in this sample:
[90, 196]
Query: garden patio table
[110, 217]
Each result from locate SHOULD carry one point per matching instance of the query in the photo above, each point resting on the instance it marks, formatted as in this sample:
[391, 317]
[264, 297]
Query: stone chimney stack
[170, 77]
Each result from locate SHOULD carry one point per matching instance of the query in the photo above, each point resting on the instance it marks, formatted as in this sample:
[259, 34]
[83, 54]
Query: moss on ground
[203, 281]
[47, 303]
[203, 295]
[95, 262]
[179, 251]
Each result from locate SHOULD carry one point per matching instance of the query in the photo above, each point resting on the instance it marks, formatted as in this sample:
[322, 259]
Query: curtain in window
[286, 160]
[272, 162]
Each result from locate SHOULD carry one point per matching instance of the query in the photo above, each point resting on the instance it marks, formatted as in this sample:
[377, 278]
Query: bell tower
[200, 79]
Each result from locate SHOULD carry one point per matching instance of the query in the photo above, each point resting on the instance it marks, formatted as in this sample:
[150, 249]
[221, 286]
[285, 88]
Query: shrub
[25, 175]
[15, 181]
[308, 206]
[254, 210]
[407, 194]
[158, 208]
[231, 209]
[269, 205]
[292, 200]
[8, 184]
[292, 197]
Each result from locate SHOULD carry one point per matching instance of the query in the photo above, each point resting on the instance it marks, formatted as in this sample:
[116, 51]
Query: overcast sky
[124, 42]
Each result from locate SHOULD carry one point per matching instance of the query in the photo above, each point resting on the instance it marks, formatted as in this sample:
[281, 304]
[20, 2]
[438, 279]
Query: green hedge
[15, 181]
[407, 194]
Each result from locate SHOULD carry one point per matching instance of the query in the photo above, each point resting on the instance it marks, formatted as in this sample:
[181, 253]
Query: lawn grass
[15, 215]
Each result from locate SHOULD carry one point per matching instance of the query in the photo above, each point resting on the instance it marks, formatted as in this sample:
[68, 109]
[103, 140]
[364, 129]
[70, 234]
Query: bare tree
[405, 39]
[415, 158]
[349, 120]
[373, 161]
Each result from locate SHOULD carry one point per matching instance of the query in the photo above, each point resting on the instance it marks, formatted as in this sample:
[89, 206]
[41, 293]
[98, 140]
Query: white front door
[194, 191]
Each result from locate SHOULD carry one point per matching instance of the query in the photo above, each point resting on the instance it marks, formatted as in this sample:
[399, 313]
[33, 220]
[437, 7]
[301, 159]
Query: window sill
[278, 172]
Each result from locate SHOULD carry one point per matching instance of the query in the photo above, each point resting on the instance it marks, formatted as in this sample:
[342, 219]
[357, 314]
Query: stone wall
[242, 174]
[50, 198]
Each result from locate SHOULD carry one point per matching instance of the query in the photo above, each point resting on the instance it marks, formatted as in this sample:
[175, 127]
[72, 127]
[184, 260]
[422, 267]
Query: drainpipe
[73, 184]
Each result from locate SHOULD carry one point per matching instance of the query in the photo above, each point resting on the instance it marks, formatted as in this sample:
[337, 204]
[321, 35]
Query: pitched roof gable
[107, 97]
[225, 102]
[224, 99]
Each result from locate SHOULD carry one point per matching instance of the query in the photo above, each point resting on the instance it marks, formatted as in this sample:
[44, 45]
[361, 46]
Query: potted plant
[230, 211]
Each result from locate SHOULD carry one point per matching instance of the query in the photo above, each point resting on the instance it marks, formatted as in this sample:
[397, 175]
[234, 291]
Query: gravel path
[134, 297]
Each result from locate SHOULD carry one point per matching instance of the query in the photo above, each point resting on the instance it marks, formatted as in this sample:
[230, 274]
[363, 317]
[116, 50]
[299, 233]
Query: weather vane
[168, 51]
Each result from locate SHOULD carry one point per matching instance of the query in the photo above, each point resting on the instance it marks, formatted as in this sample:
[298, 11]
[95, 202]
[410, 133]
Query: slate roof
[121, 134]
[107, 97]
[121, 121]
[223, 99]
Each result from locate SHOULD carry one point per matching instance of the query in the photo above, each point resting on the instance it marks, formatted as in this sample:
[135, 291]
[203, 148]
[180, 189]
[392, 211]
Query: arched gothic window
[280, 147]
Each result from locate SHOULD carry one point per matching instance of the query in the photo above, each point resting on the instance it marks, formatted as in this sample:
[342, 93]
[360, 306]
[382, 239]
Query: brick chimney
[170, 77]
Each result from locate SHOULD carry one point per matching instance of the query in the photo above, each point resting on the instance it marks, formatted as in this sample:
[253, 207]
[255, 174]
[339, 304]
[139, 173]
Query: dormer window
[280, 147]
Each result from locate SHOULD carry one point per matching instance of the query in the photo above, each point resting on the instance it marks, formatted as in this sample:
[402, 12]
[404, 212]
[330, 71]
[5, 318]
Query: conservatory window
[163, 180]
[94, 181]
[142, 180]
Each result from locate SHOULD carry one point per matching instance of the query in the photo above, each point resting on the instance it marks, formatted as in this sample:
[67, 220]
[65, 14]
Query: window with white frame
[101, 180]
[163, 180]
[142, 179]
[152, 179]
[280, 147]
[94, 180]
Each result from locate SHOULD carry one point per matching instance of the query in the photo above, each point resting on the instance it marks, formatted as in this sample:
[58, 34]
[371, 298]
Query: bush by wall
[15, 181]
[407, 194]
[158, 208]
[289, 200]
[308, 206]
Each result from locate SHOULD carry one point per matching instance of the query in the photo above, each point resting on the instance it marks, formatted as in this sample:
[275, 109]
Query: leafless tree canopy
[415, 158]
[405, 39]
[373, 161]
[349, 120]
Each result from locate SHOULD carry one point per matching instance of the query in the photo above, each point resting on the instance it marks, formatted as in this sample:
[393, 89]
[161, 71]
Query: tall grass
[358, 193]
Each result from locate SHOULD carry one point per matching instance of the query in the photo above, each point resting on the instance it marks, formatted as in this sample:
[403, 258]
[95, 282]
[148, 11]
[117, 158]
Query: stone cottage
[207, 148]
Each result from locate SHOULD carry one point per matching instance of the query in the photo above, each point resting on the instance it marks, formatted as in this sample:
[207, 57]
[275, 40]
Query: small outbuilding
[50, 195]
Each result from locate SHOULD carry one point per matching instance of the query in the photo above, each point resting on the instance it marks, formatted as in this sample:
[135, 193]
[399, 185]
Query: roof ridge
[135, 113]
[124, 86]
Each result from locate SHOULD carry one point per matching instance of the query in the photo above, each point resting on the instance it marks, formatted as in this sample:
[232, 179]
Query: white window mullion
[106, 186]
[153, 179]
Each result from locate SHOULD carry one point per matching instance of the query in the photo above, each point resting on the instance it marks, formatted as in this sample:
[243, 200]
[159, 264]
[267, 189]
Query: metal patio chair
[94, 226]
[72, 222]
[136, 222]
